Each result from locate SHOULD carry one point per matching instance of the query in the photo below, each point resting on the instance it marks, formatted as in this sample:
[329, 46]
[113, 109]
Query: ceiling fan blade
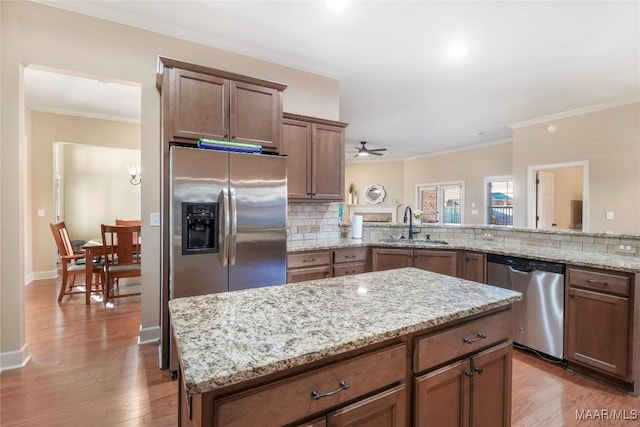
[357, 155]
[377, 149]
[374, 153]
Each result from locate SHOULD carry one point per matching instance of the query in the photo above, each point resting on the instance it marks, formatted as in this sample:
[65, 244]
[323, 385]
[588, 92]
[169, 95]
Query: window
[499, 192]
[441, 203]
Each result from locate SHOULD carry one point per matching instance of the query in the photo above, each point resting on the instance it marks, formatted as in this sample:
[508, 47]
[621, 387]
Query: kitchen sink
[421, 242]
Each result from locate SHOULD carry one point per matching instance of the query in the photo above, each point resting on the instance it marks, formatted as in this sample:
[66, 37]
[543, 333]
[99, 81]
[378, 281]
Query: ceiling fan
[364, 151]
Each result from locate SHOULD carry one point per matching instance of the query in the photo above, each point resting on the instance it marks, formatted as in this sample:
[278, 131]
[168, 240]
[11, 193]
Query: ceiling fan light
[362, 154]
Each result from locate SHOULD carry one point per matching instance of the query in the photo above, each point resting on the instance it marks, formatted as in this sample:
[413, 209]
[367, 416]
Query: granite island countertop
[227, 338]
[630, 264]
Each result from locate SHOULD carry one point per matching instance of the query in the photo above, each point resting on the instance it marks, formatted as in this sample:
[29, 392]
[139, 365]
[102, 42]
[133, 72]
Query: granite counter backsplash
[227, 338]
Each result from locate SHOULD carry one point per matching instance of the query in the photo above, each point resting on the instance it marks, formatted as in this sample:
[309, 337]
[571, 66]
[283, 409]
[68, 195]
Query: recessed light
[457, 51]
[336, 4]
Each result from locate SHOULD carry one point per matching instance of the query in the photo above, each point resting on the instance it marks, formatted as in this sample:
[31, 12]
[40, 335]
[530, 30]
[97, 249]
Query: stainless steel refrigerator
[228, 222]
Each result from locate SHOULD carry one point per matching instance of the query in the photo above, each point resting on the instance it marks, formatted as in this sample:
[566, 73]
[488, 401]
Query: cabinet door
[255, 115]
[296, 145]
[474, 267]
[597, 332]
[442, 396]
[386, 409]
[327, 168]
[387, 259]
[199, 106]
[491, 387]
[320, 422]
[311, 273]
[444, 262]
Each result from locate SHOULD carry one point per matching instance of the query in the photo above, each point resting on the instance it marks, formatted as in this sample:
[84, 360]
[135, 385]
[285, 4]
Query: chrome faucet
[411, 229]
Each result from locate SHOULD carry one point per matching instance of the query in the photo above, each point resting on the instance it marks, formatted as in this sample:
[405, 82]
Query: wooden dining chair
[72, 263]
[130, 222]
[122, 256]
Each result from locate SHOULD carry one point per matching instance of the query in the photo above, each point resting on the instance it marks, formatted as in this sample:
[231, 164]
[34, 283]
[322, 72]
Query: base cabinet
[386, 409]
[475, 391]
[443, 262]
[598, 328]
[387, 259]
[474, 267]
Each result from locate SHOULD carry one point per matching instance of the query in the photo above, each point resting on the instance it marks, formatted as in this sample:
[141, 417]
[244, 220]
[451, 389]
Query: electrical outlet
[610, 215]
[626, 249]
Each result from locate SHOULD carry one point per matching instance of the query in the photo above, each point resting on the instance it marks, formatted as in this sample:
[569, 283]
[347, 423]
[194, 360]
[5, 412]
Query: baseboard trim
[40, 275]
[15, 359]
[149, 335]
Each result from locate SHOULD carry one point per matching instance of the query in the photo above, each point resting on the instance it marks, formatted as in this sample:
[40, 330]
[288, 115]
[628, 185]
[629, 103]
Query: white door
[544, 200]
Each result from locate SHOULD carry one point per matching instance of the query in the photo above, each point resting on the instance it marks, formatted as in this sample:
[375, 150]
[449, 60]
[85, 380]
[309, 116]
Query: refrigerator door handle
[225, 242]
[234, 223]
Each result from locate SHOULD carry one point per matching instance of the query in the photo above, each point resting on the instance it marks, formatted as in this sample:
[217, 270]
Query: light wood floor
[87, 370]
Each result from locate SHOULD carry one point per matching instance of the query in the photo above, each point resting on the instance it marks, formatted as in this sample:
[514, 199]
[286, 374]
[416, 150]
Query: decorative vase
[350, 198]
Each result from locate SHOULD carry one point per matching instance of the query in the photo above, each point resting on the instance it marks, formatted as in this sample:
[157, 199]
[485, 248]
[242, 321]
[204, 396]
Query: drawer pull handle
[308, 260]
[350, 271]
[480, 336]
[468, 373]
[343, 386]
[596, 282]
[349, 256]
[479, 370]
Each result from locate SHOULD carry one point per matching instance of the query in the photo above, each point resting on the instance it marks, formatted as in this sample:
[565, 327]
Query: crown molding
[457, 150]
[576, 112]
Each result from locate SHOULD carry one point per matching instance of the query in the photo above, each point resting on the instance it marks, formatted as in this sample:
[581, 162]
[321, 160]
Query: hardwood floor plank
[86, 367]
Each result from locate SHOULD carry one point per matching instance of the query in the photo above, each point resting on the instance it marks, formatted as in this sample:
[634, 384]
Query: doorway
[559, 196]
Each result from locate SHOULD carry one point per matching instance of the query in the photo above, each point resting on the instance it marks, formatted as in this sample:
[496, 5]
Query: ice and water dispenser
[199, 228]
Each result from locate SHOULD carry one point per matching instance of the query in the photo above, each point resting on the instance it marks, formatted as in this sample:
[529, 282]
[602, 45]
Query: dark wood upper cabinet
[315, 158]
[199, 106]
[215, 104]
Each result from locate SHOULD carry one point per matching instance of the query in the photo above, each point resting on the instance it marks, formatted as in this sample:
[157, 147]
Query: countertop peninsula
[228, 338]
[630, 264]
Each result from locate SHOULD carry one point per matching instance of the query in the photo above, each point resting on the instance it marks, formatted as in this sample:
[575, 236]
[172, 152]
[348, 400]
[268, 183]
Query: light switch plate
[154, 219]
[40, 212]
[475, 212]
[609, 214]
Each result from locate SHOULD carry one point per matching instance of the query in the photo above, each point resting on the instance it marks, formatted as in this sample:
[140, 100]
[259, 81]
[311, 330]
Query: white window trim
[487, 180]
[442, 184]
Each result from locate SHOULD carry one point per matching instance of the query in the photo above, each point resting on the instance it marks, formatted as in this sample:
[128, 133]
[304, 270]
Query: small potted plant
[417, 215]
[352, 193]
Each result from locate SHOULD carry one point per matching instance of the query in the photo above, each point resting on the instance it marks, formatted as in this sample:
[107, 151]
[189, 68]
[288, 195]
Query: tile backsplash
[603, 243]
[313, 221]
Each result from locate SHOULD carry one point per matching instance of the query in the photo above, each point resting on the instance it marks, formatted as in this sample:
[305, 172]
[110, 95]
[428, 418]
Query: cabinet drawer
[312, 273]
[291, 399]
[449, 344]
[348, 269]
[605, 282]
[309, 259]
[349, 255]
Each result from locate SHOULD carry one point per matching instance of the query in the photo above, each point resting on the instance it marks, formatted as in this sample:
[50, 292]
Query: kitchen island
[314, 351]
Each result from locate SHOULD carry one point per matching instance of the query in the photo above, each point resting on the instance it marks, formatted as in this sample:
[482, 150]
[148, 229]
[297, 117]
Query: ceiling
[417, 77]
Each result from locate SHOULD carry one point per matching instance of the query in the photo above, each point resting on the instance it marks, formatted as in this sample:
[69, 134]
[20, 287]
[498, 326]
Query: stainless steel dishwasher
[539, 316]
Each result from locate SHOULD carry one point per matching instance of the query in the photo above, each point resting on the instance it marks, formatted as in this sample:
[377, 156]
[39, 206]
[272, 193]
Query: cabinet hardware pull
[481, 336]
[479, 370]
[308, 260]
[468, 373]
[596, 282]
[343, 386]
[350, 271]
[572, 295]
[233, 137]
[226, 135]
[349, 256]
